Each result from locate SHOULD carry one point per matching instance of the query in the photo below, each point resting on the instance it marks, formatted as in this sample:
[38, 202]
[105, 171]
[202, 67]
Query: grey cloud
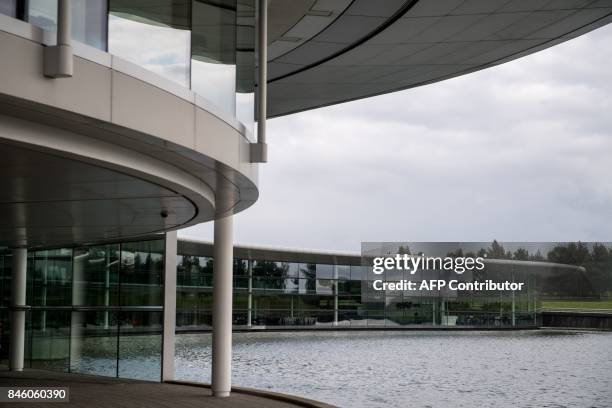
[518, 152]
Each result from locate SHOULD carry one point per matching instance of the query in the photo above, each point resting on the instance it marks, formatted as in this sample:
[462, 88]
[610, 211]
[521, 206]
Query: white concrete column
[168, 339]
[250, 295]
[18, 303]
[222, 307]
[58, 59]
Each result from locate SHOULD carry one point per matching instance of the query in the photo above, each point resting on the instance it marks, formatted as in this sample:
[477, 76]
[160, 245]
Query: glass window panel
[140, 345]
[50, 278]
[245, 63]
[358, 273]
[5, 279]
[192, 319]
[239, 317]
[325, 271]
[4, 336]
[96, 276]
[325, 286]
[49, 340]
[344, 271]
[241, 282]
[275, 269]
[308, 271]
[88, 19]
[148, 37]
[241, 267]
[93, 346]
[141, 275]
[315, 302]
[213, 52]
[194, 271]
[240, 300]
[8, 7]
[307, 285]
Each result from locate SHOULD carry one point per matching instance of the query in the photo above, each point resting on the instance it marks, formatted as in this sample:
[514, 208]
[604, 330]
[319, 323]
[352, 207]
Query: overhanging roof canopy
[341, 50]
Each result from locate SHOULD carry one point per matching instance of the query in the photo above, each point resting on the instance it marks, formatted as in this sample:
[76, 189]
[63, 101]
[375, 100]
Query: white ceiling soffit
[375, 47]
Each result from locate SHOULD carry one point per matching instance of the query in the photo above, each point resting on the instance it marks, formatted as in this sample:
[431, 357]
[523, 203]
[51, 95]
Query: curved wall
[295, 288]
[132, 125]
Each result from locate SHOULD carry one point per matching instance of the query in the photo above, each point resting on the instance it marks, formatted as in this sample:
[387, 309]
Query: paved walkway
[92, 391]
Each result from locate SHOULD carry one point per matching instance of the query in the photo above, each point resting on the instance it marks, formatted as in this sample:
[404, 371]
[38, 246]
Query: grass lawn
[577, 304]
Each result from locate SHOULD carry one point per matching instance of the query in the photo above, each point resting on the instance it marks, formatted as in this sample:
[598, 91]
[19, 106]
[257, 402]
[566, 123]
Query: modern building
[100, 309]
[121, 119]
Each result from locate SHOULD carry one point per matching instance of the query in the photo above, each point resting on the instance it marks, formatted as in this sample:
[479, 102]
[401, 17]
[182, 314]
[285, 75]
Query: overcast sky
[518, 152]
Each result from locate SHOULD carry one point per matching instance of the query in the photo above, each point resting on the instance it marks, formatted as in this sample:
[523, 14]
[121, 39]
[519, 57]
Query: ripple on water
[420, 369]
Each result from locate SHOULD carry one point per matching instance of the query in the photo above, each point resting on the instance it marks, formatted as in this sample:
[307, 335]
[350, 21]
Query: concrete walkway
[88, 391]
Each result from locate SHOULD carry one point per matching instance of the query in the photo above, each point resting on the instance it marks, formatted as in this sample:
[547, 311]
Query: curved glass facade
[98, 309]
[207, 46]
[284, 293]
[94, 310]
[203, 45]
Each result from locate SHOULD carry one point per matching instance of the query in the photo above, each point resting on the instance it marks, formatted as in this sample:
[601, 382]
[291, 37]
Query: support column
[335, 289]
[222, 307]
[107, 286]
[77, 317]
[168, 339]
[433, 311]
[259, 150]
[18, 303]
[58, 59]
[250, 295]
[43, 301]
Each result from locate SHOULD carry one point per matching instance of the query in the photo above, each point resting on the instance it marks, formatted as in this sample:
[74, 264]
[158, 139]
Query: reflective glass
[8, 7]
[325, 271]
[152, 35]
[96, 275]
[141, 278]
[213, 52]
[140, 345]
[6, 268]
[245, 63]
[343, 271]
[50, 278]
[49, 340]
[93, 343]
[88, 19]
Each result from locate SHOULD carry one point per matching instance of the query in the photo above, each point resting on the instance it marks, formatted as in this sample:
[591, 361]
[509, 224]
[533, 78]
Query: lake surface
[418, 369]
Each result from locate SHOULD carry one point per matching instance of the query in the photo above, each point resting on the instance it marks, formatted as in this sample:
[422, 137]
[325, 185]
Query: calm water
[418, 369]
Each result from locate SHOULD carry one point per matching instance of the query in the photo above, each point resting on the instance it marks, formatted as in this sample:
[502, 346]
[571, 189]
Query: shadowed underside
[361, 48]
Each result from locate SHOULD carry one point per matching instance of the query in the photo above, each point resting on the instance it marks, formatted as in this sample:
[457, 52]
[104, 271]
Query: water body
[418, 369]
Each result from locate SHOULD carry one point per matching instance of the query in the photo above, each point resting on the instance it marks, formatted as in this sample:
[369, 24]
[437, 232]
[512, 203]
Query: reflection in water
[419, 369]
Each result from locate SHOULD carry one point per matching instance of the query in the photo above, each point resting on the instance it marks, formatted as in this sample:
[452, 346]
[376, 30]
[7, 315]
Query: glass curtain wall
[206, 45]
[96, 309]
[88, 19]
[273, 293]
[5, 300]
